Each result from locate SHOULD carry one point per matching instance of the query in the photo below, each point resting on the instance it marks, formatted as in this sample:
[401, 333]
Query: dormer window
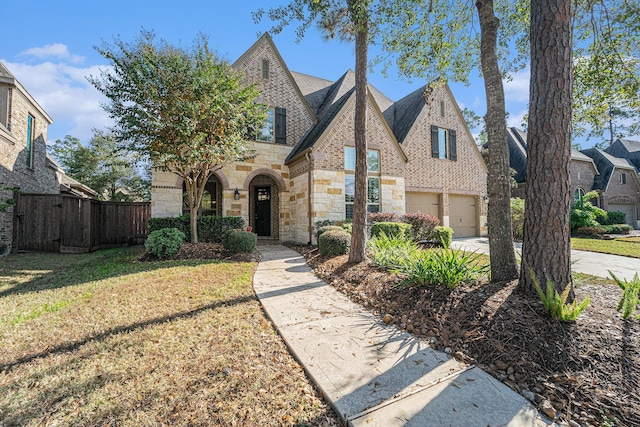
[265, 69]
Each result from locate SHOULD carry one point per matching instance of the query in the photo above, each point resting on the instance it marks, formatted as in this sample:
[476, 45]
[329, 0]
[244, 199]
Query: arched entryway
[264, 206]
[211, 203]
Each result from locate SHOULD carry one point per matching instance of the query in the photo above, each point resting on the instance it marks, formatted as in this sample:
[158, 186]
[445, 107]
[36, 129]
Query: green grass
[623, 247]
[104, 339]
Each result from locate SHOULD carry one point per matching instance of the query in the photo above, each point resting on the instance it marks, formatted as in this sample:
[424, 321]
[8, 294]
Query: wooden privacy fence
[69, 224]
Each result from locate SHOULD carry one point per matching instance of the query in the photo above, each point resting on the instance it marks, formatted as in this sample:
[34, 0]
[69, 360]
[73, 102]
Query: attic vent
[441, 108]
[265, 69]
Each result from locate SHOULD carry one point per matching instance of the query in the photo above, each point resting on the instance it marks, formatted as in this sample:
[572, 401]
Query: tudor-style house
[421, 157]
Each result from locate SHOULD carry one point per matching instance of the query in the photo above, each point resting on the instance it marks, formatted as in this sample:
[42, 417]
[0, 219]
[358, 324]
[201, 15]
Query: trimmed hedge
[165, 242]
[211, 228]
[239, 241]
[595, 231]
[326, 228]
[615, 218]
[392, 229]
[444, 235]
[334, 242]
[618, 228]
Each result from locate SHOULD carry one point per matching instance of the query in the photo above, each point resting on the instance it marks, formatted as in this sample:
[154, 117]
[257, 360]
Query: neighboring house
[626, 149]
[618, 185]
[23, 157]
[69, 185]
[421, 157]
[582, 169]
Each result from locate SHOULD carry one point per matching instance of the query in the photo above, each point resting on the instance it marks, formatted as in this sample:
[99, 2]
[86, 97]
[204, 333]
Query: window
[266, 132]
[209, 201]
[443, 143]
[30, 131]
[373, 181]
[265, 69]
[274, 127]
[5, 106]
[578, 175]
[578, 194]
[441, 108]
[373, 163]
[623, 178]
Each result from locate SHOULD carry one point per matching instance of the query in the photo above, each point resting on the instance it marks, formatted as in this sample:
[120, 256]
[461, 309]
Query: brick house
[421, 157]
[613, 177]
[23, 156]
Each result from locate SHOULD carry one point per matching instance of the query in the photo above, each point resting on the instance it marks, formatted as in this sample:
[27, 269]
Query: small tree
[187, 109]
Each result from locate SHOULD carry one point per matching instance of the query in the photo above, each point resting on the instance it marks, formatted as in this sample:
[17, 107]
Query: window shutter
[281, 125]
[452, 145]
[434, 141]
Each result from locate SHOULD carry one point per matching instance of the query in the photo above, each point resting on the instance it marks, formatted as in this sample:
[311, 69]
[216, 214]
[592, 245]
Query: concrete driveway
[592, 263]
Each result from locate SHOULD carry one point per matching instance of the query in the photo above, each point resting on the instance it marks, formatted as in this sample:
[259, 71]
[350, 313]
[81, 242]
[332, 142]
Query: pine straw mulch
[581, 373]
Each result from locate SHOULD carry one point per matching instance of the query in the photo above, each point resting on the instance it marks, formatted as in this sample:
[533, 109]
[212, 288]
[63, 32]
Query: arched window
[578, 194]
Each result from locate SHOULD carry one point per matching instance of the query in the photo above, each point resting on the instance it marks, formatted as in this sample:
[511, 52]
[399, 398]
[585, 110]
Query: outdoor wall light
[236, 194]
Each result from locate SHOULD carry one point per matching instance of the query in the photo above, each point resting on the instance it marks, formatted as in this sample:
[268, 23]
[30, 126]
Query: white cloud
[515, 120]
[55, 51]
[517, 88]
[66, 95]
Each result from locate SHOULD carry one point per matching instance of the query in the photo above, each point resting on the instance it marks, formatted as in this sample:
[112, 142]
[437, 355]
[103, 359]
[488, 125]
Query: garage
[462, 215]
[427, 203]
[629, 211]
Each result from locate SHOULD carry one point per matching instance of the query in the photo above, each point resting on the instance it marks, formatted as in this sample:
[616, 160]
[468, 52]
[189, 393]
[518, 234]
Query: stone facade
[15, 170]
[310, 186]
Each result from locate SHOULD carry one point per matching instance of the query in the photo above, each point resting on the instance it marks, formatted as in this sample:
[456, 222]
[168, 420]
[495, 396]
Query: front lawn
[625, 246]
[105, 339]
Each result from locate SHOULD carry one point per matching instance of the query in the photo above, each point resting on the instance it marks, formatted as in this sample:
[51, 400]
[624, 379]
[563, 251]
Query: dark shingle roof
[323, 122]
[606, 164]
[517, 141]
[314, 89]
[627, 149]
[403, 114]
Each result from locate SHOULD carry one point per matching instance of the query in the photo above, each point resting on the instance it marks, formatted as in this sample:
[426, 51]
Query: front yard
[106, 339]
[624, 246]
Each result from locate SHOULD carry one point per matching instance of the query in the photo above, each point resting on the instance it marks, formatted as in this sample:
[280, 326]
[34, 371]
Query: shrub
[445, 267]
[399, 229]
[211, 228]
[614, 217]
[348, 227]
[517, 218]
[444, 235]
[165, 242]
[239, 241]
[382, 217]
[324, 222]
[630, 295]
[326, 228]
[618, 228]
[389, 251]
[334, 242]
[422, 225]
[584, 214]
[556, 304]
[595, 231]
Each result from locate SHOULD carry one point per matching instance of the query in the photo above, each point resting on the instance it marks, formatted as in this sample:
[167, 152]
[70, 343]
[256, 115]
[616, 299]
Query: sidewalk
[593, 263]
[371, 373]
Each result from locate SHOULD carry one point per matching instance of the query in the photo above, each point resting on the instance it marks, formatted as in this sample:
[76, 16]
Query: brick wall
[581, 175]
[13, 158]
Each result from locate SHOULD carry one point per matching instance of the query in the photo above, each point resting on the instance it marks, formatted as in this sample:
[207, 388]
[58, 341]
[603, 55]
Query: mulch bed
[583, 373]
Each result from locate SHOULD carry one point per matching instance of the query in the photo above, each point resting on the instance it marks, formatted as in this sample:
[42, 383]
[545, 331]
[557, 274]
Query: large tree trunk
[503, 257]
[359, 232]
[546, 248]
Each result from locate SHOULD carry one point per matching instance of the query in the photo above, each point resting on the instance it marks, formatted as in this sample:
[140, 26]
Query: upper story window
[578, 175]
[274, 127]
[265, 69]
[443, 143]
[30, 131]
[5, 106]
[623, 178]
[373, 159]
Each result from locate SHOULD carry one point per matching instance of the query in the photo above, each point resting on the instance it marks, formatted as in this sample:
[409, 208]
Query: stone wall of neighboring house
[14, 171]
[623, 194]
[278, 90]
[581, 175]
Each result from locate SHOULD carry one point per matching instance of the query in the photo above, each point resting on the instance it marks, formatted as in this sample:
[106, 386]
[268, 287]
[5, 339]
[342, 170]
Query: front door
[263, 211]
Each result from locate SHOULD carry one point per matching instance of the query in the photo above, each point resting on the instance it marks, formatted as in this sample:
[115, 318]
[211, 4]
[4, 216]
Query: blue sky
[49, 47]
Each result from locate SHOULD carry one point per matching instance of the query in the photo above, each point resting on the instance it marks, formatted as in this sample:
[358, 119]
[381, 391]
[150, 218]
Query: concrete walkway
[592, 263]
[374, 374]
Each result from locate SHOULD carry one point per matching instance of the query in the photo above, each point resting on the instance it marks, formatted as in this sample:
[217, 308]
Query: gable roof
[517, 142]
[606, 164]
[627, 149]
[266, 38]
[402, 115]
[5, 75]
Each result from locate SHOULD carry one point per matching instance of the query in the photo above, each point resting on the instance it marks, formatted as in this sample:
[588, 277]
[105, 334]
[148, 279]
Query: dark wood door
[263, 211]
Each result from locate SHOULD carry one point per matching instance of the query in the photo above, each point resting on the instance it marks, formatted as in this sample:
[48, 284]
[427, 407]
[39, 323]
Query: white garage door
[427, 203]
[462, 215]
[629, 210]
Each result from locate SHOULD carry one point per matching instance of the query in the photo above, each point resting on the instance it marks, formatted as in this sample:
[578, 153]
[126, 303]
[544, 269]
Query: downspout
[310, 225]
